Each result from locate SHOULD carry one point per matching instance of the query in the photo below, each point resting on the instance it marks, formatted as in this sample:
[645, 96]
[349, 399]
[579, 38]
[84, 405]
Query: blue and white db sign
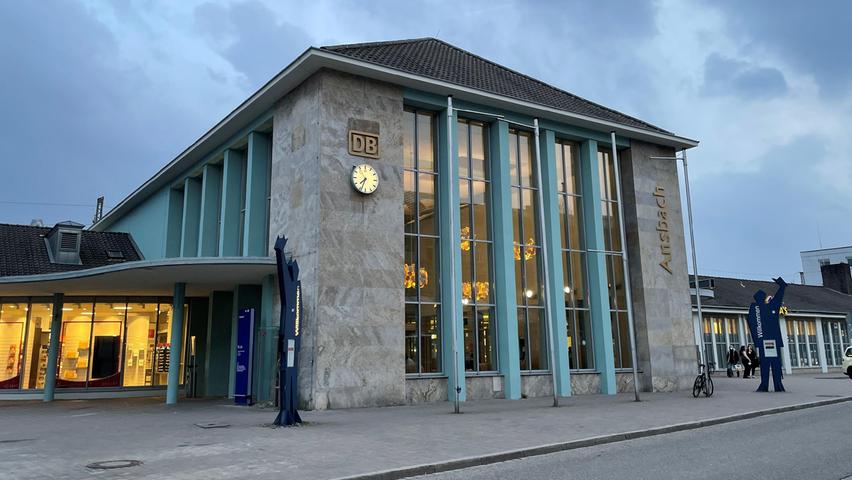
[242, 380]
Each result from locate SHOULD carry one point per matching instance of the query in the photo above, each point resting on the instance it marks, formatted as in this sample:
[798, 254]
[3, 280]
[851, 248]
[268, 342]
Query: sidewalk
[58, 440]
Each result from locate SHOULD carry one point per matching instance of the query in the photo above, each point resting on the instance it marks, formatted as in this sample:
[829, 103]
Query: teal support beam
[174, 223]
[217, 364]
[450, 257]
[176, 341]
[596, 265]
[208, 236]
[191, 217]
[53, 347]
[257, 191]
[267, 339]
[508, 351]
[553, 257]
[232, 182]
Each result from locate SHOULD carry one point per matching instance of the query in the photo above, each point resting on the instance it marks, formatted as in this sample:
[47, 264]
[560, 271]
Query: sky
[96, 97]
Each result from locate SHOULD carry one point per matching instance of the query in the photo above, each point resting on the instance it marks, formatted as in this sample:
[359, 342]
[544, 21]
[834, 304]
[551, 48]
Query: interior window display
[532, 326]
[13, 320]
[480, 347]
[105, 353]
[577, 315]
[139, 344]
[74, 343]
[614, 265]
[421, 273]
[37, 344]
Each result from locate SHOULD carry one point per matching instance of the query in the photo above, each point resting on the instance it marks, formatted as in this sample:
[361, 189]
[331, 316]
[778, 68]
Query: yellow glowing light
[529, 250]
[529, 293]
[411, 278]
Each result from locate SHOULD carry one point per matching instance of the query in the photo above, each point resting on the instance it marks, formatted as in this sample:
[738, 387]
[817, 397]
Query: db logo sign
[363, 144]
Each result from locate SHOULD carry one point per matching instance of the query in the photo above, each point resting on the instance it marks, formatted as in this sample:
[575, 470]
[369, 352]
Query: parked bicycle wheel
[698, 386]
[708, 387]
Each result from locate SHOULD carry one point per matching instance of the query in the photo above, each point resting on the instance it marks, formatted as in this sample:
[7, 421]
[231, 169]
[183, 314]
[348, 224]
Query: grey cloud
[262, 46]
[726, 76]
[812, 36]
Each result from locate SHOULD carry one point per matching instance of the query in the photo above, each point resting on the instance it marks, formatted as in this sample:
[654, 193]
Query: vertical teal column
[174, 223]
[553, 257]
[176, 341]
[504, 262]
[208, 228]
[53, 347]
[191, 217]
[265, 351]
[450, 257]
[229, 228]
[596, 264]
[257, 186]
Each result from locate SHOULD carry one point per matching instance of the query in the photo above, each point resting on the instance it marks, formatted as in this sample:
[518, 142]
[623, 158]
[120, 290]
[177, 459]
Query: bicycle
[703, 382]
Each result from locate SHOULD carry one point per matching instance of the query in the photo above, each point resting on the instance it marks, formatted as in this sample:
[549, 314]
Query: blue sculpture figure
[765, 326]
[290, 337]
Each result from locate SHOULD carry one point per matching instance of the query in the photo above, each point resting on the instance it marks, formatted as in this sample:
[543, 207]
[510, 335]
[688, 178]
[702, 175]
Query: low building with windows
[814, 260]
[452, 219]
[815, 322]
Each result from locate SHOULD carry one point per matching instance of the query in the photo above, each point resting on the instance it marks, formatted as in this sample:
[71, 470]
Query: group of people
[746, 360]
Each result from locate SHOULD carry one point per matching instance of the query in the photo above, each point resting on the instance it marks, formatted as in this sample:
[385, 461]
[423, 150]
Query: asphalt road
[809, 444]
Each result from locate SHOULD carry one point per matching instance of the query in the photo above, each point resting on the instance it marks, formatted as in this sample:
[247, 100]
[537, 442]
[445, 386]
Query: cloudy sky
[95, 97]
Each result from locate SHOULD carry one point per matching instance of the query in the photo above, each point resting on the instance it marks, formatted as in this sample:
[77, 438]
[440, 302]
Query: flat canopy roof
[202, 275]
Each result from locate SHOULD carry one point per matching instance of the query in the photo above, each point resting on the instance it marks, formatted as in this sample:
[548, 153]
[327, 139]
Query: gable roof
[23, 250]
[738, 294]
[480, 81]
[437, 59]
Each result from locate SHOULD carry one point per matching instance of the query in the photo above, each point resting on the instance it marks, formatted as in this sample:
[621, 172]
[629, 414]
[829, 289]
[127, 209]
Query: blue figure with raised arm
[764, 323]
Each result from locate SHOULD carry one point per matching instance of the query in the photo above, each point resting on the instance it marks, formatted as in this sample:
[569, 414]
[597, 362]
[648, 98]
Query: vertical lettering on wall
[663, 228]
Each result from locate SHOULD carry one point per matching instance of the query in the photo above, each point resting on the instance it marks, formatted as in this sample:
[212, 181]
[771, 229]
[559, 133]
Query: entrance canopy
[201, 275]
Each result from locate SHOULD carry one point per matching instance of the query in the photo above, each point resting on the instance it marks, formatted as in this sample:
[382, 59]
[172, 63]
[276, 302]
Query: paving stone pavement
[58, 440]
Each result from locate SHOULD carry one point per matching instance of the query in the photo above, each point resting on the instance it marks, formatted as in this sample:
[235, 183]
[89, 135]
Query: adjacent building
[815, 322]
[478, 238]
[814, 260]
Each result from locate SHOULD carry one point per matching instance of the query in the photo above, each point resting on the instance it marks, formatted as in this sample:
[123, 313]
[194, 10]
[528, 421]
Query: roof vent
[115, 255]
[63, 243]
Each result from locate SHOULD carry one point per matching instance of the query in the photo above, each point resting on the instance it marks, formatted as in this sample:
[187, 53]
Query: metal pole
[541, 221]
[450, 209]
[627, 293]
[701, 351]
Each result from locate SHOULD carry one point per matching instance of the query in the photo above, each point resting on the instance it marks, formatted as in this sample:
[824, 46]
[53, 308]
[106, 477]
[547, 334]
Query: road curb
[467, 462]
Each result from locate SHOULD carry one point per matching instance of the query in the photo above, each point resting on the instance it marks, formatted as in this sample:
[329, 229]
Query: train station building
[452, 219]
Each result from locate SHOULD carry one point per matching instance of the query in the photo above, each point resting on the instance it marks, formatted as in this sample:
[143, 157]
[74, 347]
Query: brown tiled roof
[436, 59]
[23, 250]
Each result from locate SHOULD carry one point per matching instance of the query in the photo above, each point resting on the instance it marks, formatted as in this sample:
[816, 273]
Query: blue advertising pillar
[175, 344]
[53, 348]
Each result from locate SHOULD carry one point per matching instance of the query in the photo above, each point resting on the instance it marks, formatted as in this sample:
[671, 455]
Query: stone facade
[349, 246]
[658, 273]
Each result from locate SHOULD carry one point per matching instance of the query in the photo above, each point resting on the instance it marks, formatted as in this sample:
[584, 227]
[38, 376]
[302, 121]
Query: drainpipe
[53, 348]
[450, 210]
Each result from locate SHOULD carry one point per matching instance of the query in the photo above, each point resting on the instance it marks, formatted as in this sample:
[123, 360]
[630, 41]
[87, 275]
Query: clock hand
[363, 182]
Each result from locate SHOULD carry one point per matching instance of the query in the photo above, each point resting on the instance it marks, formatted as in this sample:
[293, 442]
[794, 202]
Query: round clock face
[365, 179]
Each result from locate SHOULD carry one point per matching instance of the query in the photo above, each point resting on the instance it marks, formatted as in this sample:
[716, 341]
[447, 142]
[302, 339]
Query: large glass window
[480, 348]
[105, 352]
[834, 333]
[614, 265]
[75, 337]
[532, 324]
[38, 342]
[577, 314]
[139, 343]
[422, 293]
[13, 320]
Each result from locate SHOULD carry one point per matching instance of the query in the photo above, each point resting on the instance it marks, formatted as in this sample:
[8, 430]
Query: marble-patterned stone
[536, 385]
[661, 304]
[585, 383]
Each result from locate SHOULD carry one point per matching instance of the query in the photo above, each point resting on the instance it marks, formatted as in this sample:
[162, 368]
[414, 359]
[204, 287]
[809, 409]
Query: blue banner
[242, 380]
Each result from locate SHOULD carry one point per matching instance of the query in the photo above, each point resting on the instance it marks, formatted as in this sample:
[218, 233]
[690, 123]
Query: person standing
[746, 361]
[755, 361]
[733, 360]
